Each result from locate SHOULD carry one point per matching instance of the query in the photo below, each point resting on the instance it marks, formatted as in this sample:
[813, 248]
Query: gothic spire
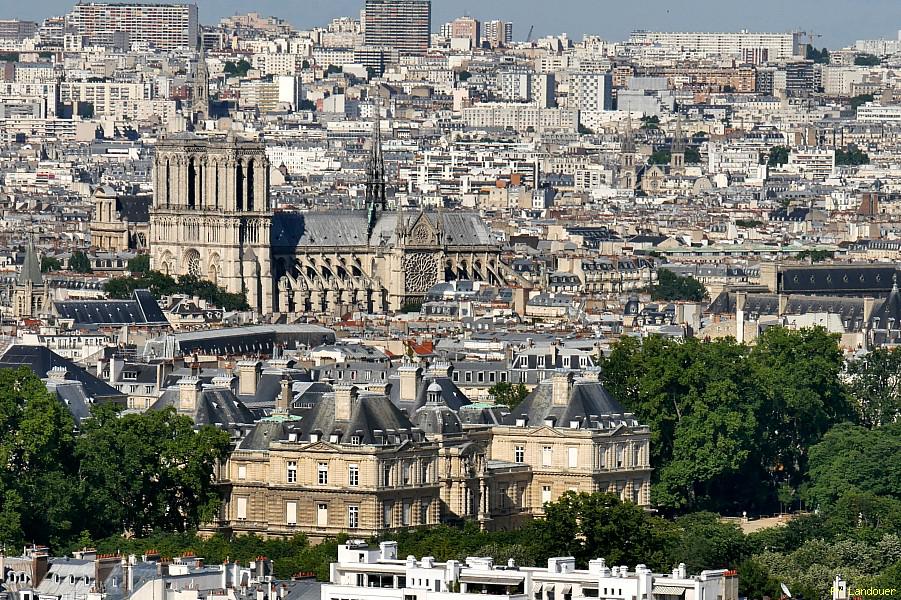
[628, 144]
[678, 138]
[31, 267]
[376, 199]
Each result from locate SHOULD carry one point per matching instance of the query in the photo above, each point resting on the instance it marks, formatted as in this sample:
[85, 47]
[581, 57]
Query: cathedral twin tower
[211, 216]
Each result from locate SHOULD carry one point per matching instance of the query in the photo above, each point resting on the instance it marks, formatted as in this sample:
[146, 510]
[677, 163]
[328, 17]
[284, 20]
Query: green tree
[755, 582]
[588, 526]
[79, 262]
[37, 493]
[860, 100]
[853, 156]
[750, 223]
[673, 287]
[660, 156]
[874, 384]
[237, 69]
[692, 155]
[852, 458]
[507, 394]
[866, 60]
[463, 76]
[709, 543]
[778, 156]
[142, 472]
[139, 264]
[818, 56]
[797, 377]
[49, 263]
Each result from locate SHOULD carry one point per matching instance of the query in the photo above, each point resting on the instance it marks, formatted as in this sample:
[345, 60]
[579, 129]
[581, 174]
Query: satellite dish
[785, 590]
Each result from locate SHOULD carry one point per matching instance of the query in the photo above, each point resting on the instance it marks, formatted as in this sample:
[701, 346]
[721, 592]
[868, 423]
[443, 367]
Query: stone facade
[211, 217]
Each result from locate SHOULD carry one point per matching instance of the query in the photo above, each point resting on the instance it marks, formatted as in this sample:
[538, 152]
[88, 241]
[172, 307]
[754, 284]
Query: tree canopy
[507, 394]
[730, 423]
[139, 264]
[671, 287]
[79, 262]
[160, 285]
[874, 383]
[818, 56]
[133, 474]
[867, 60]
[778, 156]
[238, 69]
[852, 156]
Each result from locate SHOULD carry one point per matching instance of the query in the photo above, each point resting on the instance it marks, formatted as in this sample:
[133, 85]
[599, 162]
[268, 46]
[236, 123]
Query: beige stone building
[353, 461]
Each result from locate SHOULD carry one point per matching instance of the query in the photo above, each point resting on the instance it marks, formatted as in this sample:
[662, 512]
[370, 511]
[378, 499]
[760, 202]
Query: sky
[838, 22]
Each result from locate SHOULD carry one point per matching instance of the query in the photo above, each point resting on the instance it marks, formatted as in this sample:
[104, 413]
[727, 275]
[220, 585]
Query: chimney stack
[345, 401]
[188, 394]
[561, 385]
[248, 377]
[410, 378]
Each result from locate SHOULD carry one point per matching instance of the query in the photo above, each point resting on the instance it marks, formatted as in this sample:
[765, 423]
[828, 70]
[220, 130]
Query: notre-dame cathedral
[212, 217]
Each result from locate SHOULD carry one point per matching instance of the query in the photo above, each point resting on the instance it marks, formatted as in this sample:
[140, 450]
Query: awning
[567, 588]
[668, 590]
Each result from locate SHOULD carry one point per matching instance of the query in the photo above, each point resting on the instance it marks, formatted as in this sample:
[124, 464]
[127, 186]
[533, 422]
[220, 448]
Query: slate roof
[41, 359]
[587, 398]
[837, 279]
[216, 406]
[31, 267]
[142, 309]
[344, 228]
[451, 395]
[372, 412]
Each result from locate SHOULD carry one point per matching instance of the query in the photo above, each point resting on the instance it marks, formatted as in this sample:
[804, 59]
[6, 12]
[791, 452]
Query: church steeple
[200, 100]
[31, 267]
[677, 150]
[376, 199]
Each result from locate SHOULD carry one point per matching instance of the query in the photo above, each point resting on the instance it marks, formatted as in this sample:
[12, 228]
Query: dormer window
[314, 437]
[355, 440]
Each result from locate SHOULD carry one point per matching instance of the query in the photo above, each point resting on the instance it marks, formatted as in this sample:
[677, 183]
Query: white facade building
[779, 46]
[362, 573]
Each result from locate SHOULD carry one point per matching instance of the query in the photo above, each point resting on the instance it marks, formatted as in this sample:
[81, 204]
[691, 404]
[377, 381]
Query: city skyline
[838, 22]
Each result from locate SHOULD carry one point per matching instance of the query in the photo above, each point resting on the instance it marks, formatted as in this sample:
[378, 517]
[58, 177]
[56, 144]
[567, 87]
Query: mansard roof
[588, 400]
[371, 413]
[215, 406]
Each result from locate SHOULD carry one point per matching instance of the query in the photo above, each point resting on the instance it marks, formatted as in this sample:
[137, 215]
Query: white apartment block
[590, 91]
[521, 117]
[837, 81]
[165, 26]
[779, 46]
[363, 573]
[877, 113]
[105, 97]
[817, 164]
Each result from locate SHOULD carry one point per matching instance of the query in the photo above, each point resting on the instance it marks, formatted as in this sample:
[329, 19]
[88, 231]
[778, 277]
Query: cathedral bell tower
[211, 215]
[628, 170]
[677, 152]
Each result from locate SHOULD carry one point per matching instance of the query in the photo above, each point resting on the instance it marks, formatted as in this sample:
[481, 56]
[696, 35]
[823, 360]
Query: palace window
[322, 471]
[519, 454]
[353, 475]
[353, 517]
[292, 471]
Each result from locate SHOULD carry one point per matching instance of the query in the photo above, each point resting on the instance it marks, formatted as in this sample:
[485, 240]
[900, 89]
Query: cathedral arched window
[192, 180]
[239, 187]
[168, 186]
[250, 175]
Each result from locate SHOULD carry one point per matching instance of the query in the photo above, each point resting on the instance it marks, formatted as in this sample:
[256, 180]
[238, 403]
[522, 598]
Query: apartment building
[404, 25]
[164, 26]
[779, 46]
[368, 573]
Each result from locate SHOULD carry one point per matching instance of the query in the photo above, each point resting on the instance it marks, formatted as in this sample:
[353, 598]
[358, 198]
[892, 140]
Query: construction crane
[529, 37]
